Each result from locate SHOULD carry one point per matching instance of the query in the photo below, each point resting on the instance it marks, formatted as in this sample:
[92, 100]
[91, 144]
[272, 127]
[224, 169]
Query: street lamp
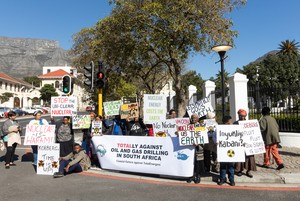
[221, 50]
[257, 90]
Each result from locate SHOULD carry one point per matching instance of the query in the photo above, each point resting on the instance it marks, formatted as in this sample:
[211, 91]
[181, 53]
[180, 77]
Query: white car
[31, 110]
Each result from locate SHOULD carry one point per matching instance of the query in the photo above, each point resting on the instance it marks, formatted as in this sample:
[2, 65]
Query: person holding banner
[198, 160]
[135, 127]
[64, 136]
[270, 133]
[11, 136]
[76, 161]
[86, 138]
[37, 121]
[249, 164]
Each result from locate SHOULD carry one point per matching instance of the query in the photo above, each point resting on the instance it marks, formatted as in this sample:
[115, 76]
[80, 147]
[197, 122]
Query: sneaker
[58, 175]
[232, 183]
[280, 166]
[249, 174]
[221, 182]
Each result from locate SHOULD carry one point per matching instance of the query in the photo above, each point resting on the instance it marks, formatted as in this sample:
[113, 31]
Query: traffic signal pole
[100, 101]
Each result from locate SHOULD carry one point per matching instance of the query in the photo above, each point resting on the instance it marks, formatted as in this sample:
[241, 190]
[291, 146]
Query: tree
[5, 96]
[192, 78]
[288, 47]
[34, 80]
[163, 31]
[47, 91]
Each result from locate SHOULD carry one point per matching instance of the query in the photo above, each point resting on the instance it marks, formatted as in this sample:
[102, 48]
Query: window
[1, 84]
[10, 88]
[48, 70]
[71, 72]
[15, 87]
[5, 86]
[56, 84]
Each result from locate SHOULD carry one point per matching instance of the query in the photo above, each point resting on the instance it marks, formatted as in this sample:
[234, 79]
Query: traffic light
[100, 80]
[67, 84]
[89, 74]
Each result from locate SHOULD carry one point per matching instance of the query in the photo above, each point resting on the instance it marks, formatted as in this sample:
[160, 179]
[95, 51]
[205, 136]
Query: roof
[55, 74]
[13, 80]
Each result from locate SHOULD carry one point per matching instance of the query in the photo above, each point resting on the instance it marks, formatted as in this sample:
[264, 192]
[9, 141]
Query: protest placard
[39, 134]
[190, 135]
[112, 107]
[230, 144]
[201, 108]
[81, 121]
[155, 108]
[165, 128]
[130, 110]
[48, 159]
[96, 128]
[63, 106]
[253, 140]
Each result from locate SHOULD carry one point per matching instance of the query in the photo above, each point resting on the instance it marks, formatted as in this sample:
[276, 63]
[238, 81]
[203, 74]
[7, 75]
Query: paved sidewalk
[263, 177]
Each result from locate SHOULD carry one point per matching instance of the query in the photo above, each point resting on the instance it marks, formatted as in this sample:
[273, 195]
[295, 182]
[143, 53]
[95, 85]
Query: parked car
[19, 112]
[31, 110]
[4, 111]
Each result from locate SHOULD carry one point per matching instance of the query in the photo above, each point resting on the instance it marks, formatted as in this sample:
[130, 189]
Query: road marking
[192, 185]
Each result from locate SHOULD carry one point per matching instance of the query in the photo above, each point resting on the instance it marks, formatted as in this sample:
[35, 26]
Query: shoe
[189, 180]
[232, 183]
[197, 180]
[249, 174]
[58, 175]
[280, 166]
[221, 182]
[12, 164]
[7, 166]
[266, 166]
[239, 174]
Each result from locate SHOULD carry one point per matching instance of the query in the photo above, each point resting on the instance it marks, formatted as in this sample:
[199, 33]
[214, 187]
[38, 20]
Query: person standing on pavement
[270, 133]
[86, 138]
[249, 163]
[37, 121]
[226, 166]
[11, 137]
[76, 161]
[64, 136]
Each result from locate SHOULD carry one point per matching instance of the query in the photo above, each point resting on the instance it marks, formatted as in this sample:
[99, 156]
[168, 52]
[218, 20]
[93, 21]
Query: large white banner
[201, 108]
[254, 143]
[149, 155]
[48, 155]
[155, 108]
[230, 146]
[63, 106]
[39, 134]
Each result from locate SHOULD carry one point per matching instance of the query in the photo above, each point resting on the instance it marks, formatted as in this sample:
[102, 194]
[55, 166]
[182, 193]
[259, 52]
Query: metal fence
[284, 104]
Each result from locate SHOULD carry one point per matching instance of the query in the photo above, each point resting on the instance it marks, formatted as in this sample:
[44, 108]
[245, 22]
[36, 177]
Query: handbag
[2, 145]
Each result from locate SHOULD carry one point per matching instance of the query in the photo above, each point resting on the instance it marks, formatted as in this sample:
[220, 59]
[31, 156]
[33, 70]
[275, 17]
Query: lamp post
[221, 50]
[257, 91]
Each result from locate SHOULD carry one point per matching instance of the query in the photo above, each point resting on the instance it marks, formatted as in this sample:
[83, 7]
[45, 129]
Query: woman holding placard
[37, 121]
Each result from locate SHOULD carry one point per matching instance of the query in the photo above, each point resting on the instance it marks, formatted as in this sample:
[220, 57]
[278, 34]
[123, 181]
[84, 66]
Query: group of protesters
[77, 157]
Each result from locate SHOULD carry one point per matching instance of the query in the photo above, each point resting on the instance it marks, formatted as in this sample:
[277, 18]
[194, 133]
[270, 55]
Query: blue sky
[262, 25]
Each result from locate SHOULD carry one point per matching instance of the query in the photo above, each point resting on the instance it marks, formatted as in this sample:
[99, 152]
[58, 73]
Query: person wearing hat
[249, 163]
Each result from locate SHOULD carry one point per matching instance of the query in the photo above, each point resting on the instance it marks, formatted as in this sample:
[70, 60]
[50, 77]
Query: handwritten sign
[165, 128]
[48, 155]
[96, 128]
[112, 107]
[201, 108]
[190, 135]
[253, 140]
[155, 108]
[81, 121]
[131, 110]
[63, 106]
[39, 134]
[230, 146]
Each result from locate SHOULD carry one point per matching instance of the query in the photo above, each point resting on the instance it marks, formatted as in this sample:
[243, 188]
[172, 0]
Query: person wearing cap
[270, 133]
[249, 163]
[37, 121]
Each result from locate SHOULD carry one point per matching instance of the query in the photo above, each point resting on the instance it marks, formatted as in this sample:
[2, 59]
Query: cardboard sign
[130, 110]
[165, 128]
[201, 108]
[253, 140]
[155, 108]
[230, 144]
[190, 135]
[63, 106]
[48, 159]
[39, 134]
[96, 128]
[81, 121]
[112, 108]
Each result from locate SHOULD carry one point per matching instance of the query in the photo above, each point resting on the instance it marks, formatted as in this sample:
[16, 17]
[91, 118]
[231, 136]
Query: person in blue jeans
[226, 166]
[77, 161]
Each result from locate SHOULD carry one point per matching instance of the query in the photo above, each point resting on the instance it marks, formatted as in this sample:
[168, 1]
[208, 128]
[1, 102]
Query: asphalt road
[22, 183]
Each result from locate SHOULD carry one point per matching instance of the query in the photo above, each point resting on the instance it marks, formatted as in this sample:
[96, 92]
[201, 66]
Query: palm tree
[289, 47]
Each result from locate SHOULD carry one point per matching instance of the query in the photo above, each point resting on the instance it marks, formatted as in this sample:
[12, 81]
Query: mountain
[22, 57]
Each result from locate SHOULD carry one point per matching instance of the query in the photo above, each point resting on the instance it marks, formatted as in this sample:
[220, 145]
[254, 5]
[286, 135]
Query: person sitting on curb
[77, 161]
